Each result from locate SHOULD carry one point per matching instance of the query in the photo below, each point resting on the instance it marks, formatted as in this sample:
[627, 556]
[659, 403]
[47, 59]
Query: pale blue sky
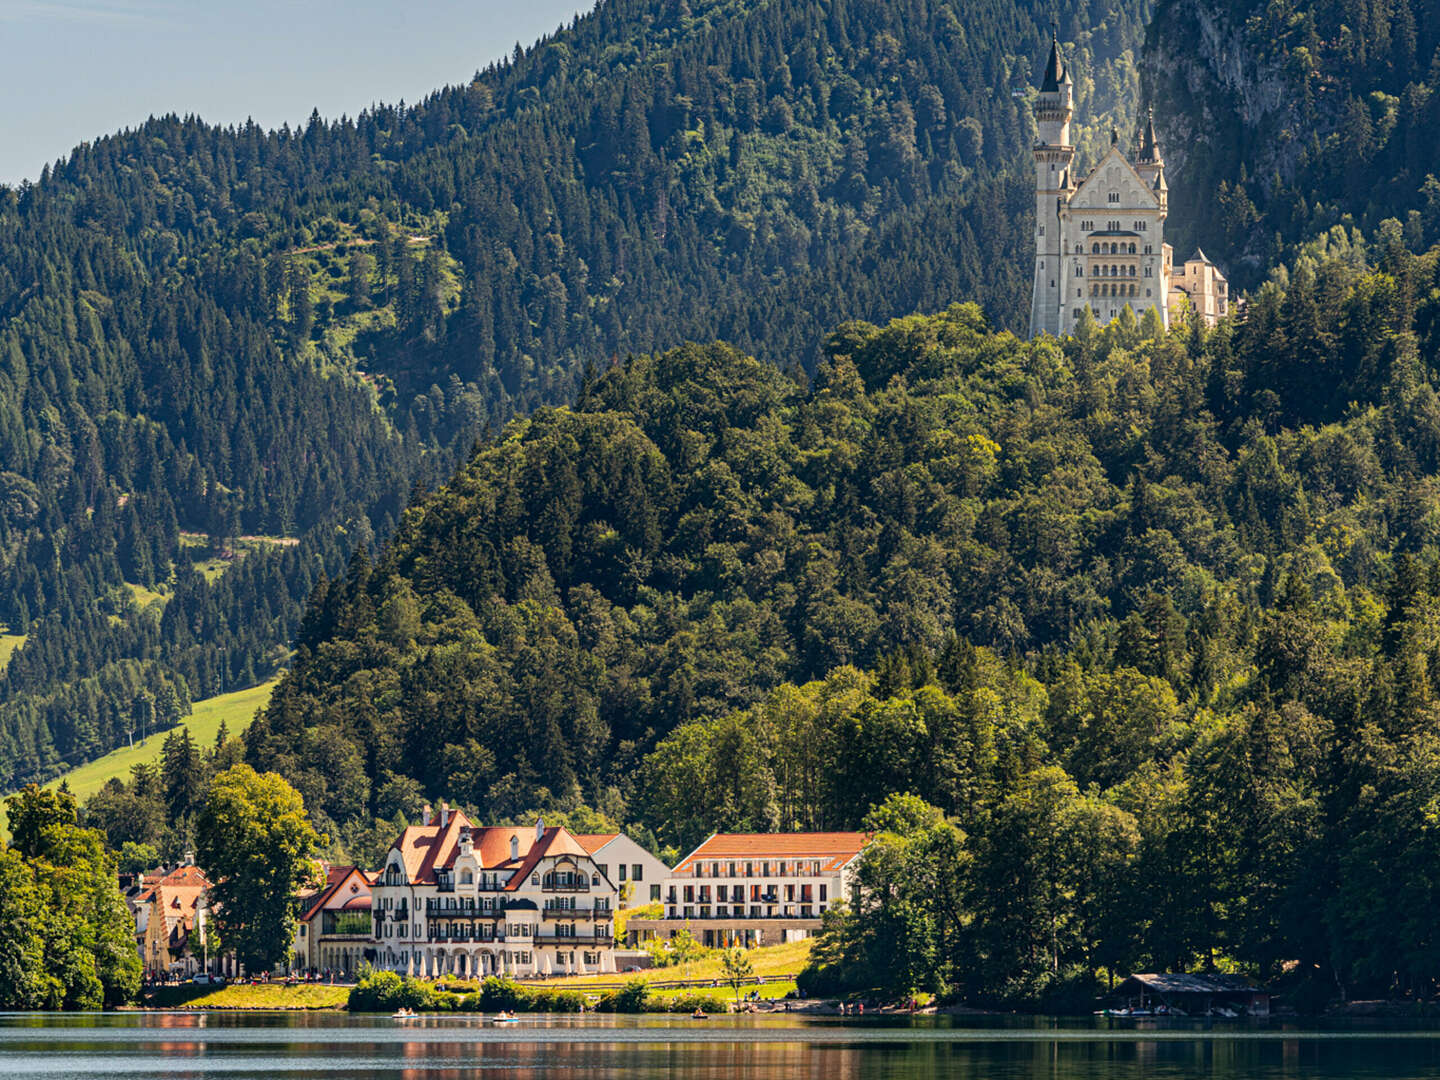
[77, 69]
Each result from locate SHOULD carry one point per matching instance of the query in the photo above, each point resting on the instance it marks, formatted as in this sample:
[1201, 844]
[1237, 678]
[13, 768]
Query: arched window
[1132, 271]
[466, 878]
[1132, 249]
[1113, 250]
[1079, 249]
[1094, 249]
[1132, 289]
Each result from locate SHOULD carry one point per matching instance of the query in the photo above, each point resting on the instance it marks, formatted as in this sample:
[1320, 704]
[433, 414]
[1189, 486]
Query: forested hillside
[1146, 618]
[1281, 118]
[215, 342]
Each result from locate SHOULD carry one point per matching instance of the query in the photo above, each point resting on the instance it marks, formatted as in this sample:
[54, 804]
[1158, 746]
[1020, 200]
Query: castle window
[1052, 283]
[1094, 249]
[1132, 290]
[1079, 249]
[1147, 292]
[1113, 197]
[1148, 250]
[1132, 271]
[1042, 230]
[1132, 249]
[1079, 292]
[1147, 271]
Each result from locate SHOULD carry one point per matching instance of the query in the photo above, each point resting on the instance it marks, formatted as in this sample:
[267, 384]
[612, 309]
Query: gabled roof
[1199, 256]
[833, 849]
[336, 896]
[1182, 983]
[424, 847]
[593, 842]
[1113, 154]
[554, 843]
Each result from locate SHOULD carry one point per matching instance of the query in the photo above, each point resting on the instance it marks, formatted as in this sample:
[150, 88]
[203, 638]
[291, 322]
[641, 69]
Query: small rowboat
[698, 1015]
[505, 1020]
[404, 1014]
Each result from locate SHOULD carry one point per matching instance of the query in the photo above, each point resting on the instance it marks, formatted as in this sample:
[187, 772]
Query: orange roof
[555, 842]
[593, 842]
[427, 848]
[424, 847]
[336, 877]
[834, 849]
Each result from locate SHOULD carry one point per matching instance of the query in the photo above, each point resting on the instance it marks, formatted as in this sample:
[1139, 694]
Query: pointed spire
[1055, 71]
[1149, 150]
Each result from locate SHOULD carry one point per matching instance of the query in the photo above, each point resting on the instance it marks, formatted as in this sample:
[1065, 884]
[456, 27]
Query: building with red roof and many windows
[457, 898]
[335, 929]
[755, 888]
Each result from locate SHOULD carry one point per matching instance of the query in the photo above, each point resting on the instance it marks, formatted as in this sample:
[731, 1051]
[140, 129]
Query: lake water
[266, 1045]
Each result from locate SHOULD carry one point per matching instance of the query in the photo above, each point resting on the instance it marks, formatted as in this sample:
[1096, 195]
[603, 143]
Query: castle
[1100, 241]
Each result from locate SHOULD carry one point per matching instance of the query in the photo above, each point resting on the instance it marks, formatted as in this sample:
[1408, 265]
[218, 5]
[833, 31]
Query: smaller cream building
[755, 888]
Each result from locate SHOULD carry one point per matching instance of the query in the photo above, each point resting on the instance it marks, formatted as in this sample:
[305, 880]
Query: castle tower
[1054, 154]
[1148, 163]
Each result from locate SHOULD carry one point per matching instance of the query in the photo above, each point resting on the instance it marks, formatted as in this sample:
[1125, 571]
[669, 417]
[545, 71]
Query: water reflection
[272, 1046]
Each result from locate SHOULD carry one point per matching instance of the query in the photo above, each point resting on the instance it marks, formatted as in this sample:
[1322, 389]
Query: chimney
[539, 829]
[514, 848]
[425, 815]
[444, 814]
[189, 858]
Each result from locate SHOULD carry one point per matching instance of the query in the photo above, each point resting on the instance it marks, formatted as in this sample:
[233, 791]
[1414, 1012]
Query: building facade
[456, 898]
[335, 930]
[755, 889]
[637, 873]
[167, 909]
[1100, 240]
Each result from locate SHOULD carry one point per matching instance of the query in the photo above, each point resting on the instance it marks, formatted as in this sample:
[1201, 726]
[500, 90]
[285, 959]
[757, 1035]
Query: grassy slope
[8, 644]
[305, 996]
[235, 709]
[771, 961]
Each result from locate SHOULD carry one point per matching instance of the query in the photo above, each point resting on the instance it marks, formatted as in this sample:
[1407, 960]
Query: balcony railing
[463, 934]
[576, 885]
[462, 909]
[579, 939]
[600, 909]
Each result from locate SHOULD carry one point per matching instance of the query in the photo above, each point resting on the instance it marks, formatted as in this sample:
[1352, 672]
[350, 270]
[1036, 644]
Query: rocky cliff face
[1224, 110]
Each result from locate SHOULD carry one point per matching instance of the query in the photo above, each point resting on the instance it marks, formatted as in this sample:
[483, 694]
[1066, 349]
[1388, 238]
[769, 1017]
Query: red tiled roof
[593, 842]
[834, 849]
[556, 841]
[424, 847]
[336, 878]
[427, 848]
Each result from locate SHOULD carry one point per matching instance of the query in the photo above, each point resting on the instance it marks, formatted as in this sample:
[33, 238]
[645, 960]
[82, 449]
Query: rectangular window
[637, 872]
[622, 871]
[654, 893]
[823, 888]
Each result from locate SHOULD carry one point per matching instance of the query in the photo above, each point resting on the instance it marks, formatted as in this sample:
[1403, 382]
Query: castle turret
[1148, 162]
[1054, 107]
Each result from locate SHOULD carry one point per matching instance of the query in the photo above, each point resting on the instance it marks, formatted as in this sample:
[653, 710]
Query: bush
[630, 998]
[386, 991]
